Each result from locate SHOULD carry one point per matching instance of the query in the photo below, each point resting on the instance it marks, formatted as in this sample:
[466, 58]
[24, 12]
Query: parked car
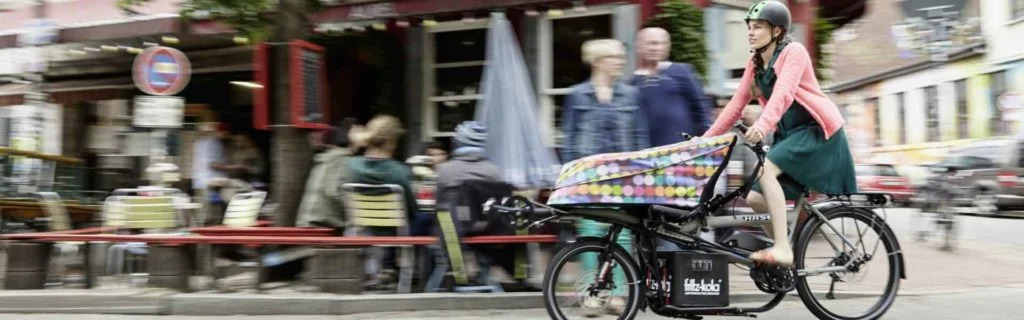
[992, 171]
[884, 178]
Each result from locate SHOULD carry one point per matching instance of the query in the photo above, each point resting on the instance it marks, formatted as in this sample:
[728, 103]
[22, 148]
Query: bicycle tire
[890, 245]
[583, 245]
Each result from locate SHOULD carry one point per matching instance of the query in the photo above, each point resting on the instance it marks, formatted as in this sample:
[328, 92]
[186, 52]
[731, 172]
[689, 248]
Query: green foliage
[685, 24]
[822, 36]
[248, 17]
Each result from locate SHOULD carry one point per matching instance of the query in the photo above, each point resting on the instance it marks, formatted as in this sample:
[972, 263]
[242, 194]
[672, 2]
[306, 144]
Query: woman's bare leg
[758, 204]
[781, 252]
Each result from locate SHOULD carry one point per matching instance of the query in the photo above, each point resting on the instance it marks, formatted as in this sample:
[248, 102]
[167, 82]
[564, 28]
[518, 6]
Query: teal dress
[807, 160]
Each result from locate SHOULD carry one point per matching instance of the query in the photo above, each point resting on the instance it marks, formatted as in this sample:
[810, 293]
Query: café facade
[434, 81]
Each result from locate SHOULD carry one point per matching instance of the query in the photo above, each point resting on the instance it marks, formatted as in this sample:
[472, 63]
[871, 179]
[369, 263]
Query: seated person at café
[376, 166]
[321, 204]
[469, 158]
[465, 183]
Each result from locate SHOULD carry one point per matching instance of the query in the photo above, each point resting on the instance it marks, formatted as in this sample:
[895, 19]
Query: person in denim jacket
[603, 115]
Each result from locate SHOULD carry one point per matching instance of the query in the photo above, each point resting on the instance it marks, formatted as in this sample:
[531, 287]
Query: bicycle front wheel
[856, 238]
[573, 288]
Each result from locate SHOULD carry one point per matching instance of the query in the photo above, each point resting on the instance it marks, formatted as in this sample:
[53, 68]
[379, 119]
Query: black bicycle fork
[607, 262]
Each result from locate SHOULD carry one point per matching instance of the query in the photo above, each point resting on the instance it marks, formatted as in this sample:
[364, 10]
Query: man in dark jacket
[671, 93]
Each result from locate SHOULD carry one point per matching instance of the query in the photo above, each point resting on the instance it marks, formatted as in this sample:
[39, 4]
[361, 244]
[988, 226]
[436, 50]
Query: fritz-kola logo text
[703, 288]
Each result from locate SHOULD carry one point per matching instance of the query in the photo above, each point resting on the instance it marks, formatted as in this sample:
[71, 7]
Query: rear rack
[872, 200]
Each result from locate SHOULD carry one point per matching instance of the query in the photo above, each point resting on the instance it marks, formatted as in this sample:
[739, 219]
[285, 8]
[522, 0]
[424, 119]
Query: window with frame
[997, 83]
[931, 96]
[872, 104]
[562, 66]
[1016, 9]
[454, 65]
[901, 118]
[962, 116]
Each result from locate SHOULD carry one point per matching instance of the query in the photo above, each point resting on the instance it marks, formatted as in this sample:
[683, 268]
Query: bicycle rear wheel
[817, 242]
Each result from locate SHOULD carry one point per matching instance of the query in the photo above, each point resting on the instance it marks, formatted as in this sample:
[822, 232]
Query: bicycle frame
[688, 234]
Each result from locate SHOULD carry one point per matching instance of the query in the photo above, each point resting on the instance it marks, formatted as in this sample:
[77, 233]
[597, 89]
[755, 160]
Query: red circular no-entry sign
[161, 71]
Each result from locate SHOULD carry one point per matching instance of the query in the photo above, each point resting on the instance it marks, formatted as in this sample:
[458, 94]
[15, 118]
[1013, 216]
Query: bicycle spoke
[830, 243]
[847, 273]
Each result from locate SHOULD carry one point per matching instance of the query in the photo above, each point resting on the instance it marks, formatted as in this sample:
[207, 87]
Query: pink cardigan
[795, 81]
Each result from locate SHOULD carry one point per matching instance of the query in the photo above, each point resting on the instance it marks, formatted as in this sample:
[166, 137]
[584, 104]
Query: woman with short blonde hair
[603, 115]
[599, 48]
[376, 167]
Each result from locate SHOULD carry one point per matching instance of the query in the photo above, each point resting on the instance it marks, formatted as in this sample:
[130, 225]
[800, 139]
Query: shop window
[997, 83]
[962, 117]
[901, 119]
[931, 96]
[872, 104]
[562, 67]
[455, 58]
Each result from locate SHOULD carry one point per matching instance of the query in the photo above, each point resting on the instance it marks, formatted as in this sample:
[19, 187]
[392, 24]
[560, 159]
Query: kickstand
[832, 290]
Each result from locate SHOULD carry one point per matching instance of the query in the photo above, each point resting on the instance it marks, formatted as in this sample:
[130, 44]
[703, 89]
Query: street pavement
[979, 304]
[1000, 230]
[988, 259]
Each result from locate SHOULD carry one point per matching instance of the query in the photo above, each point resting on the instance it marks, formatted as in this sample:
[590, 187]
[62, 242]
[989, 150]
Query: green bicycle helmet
[774, 12]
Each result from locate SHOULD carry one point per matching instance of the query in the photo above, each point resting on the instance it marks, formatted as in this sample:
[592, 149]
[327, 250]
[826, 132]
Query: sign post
[161, 72]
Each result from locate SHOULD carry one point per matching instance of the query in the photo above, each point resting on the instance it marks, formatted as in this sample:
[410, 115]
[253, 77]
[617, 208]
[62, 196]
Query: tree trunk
[291, 152]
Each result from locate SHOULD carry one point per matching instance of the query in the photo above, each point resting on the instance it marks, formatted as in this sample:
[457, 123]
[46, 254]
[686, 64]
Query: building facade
[914, 113]
[442, 88]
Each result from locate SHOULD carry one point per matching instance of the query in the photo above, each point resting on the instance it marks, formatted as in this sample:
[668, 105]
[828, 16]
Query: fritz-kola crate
[697, 279]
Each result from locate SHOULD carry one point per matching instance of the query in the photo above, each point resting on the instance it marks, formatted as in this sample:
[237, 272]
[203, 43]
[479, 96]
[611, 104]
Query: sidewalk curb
[84, 302]
[164, 302]
[212, 304]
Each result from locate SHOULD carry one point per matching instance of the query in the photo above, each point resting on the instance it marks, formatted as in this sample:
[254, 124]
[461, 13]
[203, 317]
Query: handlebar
[522, 212]
[760, 148]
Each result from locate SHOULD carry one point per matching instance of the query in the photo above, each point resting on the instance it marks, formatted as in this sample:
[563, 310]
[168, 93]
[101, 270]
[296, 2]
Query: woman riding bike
[810, 148]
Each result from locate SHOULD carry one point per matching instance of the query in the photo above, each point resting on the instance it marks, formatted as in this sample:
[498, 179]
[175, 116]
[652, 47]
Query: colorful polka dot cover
[673, 174]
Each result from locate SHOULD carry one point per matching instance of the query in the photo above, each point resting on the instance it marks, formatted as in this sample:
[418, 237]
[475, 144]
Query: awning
[391, 9]
[108, 29]
[375, 10]
[13, 89]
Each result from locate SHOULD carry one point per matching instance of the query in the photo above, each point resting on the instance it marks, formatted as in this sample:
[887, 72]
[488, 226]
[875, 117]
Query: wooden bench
[263, 231]
[173, 245]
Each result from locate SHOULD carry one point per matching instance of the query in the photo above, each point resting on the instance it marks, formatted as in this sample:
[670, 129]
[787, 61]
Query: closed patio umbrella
[509, 110]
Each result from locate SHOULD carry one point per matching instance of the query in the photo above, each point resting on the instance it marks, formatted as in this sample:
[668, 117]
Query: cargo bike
[667, 193]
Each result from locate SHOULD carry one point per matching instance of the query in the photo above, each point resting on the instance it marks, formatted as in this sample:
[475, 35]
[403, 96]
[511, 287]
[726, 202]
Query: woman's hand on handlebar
[754, 138]
[754, 135]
